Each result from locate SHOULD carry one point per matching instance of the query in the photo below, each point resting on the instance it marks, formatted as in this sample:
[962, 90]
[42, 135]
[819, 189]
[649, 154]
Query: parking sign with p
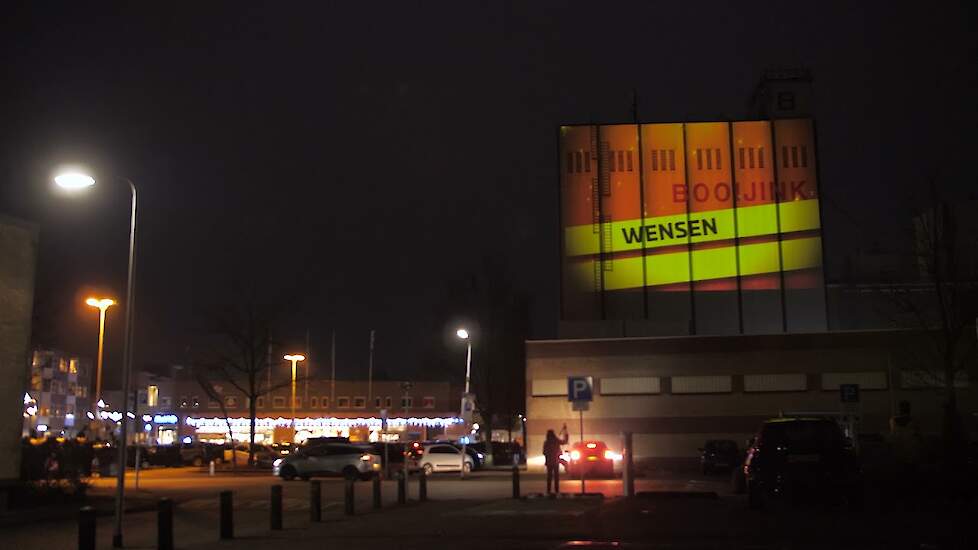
[580, 388]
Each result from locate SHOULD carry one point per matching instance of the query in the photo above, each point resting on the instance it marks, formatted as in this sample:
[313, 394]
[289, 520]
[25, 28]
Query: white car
[443, 458]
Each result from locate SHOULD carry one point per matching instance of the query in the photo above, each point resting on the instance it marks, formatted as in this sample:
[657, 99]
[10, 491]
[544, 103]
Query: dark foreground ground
[673, 511]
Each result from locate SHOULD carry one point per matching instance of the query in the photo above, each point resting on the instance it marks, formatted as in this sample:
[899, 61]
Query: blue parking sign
[580, 388]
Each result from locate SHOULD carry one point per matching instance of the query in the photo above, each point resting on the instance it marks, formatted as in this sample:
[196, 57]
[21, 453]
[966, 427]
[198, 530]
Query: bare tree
[214, 392]
[244, 356]
[946, 313]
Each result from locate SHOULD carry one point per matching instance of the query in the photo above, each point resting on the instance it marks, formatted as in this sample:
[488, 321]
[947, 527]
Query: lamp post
[76, 181]
[464, 335]
[102, 305]
[295, 359]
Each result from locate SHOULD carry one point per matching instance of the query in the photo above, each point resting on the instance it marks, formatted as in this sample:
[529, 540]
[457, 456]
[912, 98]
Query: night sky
[359, 158]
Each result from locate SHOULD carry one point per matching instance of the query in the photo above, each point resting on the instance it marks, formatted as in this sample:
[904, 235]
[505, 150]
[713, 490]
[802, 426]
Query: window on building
[377, 401]
[278, 402]
[387, 402]
[195, 402]
[359, 402]
[153, 396]
[313, 402]
[62, 365]
[73, 366]
[213, 404]
[324, 402]
[231, 401]
[428, 402]
[260, 403]
[786, 101]
[298, 402]
[184, 402]
[166, 402]
[343, 402]
[407, 402]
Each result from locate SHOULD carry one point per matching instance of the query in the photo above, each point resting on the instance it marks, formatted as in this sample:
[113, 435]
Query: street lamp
[464, 335]
[295, 359]
[102, 305]
[74, 181]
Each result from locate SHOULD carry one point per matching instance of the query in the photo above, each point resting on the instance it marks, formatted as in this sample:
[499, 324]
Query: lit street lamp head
[295, 357]
[462, 333]
[102, 303]
[74, 180]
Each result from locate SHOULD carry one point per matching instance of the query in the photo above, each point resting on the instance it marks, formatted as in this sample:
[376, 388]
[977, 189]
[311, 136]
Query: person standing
[551, 456]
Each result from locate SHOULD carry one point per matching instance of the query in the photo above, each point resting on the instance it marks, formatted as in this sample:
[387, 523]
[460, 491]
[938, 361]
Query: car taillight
[575, 455]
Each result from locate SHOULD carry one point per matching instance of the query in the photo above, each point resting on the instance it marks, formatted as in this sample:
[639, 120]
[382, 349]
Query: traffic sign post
[580, 392]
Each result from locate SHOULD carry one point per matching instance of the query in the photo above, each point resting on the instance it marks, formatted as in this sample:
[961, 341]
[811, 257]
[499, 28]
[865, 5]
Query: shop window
[428, 402]
[278, 402]
[153, 396]
[343, 402]
[313, 402]
[359, 402]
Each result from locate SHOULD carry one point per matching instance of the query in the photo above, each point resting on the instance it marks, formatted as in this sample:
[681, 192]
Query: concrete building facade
[674, 393]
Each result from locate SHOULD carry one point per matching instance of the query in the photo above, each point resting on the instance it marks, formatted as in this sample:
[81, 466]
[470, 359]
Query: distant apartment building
[59, 394]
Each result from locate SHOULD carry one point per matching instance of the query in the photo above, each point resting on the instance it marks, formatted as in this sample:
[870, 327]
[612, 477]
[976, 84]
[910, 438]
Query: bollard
[402, 488]
[348, 497]
[315, 501]
[377, 500]
[86, 528]
[275, 517]
[628, 465]
[211, 469]
[164, 524]
[422, 487]
[516, 481]
[227, 516]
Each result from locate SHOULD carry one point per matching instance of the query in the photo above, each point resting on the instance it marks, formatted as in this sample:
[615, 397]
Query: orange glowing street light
[295, 359]
[102, 304]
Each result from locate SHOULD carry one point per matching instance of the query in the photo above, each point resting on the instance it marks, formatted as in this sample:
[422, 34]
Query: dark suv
[798, 459]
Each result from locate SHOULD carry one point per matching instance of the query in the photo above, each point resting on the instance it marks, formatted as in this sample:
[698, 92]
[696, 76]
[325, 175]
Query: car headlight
[480, 455]
[277, 463]
[365, 457]
[575, 455]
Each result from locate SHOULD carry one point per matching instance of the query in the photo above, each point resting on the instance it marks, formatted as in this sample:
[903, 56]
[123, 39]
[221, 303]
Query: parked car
[163, 455]
[719, 454]
[590, 458]
[444, 458]
[199, 454]
[334, 459]
[800, 458]
[264, 456]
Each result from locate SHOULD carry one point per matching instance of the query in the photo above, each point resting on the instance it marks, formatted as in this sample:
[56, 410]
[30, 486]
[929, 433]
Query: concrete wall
[669, 425]
[18, 255]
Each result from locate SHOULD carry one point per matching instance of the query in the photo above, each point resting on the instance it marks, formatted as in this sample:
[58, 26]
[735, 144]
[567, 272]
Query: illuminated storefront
[280, 429]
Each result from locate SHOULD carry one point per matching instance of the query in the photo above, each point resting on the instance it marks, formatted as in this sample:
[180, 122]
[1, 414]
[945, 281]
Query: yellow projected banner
[664, 269]
[698, 227]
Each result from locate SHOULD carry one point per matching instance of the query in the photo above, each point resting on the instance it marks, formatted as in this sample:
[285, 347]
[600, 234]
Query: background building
[60, 389]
